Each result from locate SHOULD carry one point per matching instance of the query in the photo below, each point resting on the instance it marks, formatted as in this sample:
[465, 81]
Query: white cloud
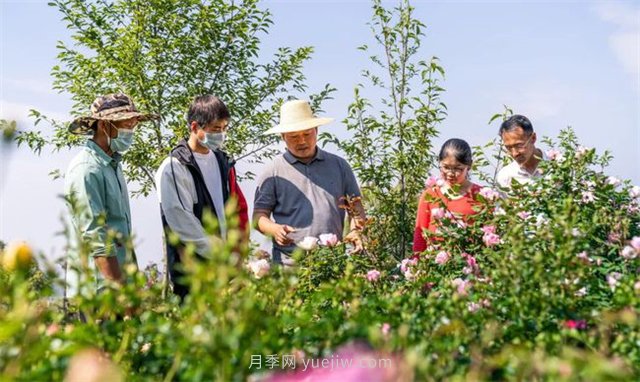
[626, 46]
[622, 14]
[625, 41]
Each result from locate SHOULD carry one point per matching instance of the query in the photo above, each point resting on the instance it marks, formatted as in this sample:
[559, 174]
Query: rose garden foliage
[542, 284]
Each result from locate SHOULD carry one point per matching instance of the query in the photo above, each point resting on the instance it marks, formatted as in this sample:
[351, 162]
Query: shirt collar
[523, 171]
[320, 155]
[101, 155]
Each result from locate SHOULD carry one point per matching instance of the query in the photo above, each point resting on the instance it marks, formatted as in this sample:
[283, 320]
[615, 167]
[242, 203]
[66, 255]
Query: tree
[163, 53]
[390, 150]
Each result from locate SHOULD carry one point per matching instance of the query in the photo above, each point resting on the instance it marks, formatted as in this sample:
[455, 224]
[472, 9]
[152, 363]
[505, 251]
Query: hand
[281, 232]
[355, 237]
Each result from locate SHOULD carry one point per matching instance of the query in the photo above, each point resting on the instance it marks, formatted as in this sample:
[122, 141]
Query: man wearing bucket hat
[197, 177]
[303, 188]
[95, 181]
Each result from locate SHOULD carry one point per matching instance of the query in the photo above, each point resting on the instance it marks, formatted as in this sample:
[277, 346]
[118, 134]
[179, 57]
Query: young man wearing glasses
[518, 139]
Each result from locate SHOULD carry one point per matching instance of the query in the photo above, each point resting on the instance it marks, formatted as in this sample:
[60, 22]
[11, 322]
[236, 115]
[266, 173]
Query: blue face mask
[214, 141]
[122, 142]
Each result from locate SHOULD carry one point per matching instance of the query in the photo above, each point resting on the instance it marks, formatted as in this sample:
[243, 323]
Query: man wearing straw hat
[303, 188]
[94, 180]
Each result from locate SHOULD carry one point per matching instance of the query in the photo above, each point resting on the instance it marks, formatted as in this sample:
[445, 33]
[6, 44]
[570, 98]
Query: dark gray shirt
[306, 196]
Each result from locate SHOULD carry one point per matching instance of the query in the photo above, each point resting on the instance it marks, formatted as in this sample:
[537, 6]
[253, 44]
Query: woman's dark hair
[206, 109]
[460, 150]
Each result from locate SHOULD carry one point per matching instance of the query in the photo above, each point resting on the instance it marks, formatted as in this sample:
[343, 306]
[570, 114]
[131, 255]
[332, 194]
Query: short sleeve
[351, 187]
[265, 195]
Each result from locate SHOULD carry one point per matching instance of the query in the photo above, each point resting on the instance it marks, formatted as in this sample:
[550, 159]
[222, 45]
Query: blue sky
[560, 63]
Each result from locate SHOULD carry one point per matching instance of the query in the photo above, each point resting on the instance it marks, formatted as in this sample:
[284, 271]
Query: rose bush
[542, 284]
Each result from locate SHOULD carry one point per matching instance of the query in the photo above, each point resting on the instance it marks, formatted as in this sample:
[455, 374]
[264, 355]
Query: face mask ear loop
[107, 133]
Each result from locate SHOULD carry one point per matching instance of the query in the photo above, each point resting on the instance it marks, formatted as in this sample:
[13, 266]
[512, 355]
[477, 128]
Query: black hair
[205, 109]
[460, 150]
[514, 122]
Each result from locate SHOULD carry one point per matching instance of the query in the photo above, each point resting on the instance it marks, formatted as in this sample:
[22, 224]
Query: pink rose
[629, 253]
[523, 215]
[437, 213]
[581, 151]
[373, 275]
[635, 192]
[309, 243]
[473, 307]
[260, 268]
[489, 229]
[471, 261]
[461, 285]
[404, 266]
[328, 239]
[555, 155]
[491, 239]
[583, 256]
[489, 193]
[442, 257]
[635, 243]
[409, 275]
[613, 237]
[52, 329]
[613, 278]
[612, 180]
[385, 328]
[588, 197]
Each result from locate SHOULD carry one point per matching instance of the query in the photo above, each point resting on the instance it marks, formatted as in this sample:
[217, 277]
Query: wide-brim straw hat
[297, 116]
[110, 107]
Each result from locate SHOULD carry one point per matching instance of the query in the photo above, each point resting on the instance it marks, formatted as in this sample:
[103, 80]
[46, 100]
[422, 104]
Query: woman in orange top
[455, 191]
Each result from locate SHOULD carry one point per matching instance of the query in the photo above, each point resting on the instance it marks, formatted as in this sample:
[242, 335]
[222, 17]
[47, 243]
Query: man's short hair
[514, 122]
[207, 108]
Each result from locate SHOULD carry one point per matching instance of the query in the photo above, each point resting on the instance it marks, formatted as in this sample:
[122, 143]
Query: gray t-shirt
[306, 196]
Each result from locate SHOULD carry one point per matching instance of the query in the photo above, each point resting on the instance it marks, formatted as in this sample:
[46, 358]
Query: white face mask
[214, 141]
[123, 140]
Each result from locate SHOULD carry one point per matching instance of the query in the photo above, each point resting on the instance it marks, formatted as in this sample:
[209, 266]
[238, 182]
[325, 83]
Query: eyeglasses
[452, 170]
[517, 146]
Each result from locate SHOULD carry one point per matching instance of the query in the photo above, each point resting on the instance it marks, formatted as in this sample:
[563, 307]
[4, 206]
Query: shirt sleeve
[88, 192]
[265, 197]
[423, 218]
[503, 179]
[350, 183]
[177, 196]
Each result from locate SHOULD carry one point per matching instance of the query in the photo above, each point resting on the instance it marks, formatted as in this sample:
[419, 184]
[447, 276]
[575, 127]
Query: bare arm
[109, 268]
[356, 226]
[266, 226]
[357, 222]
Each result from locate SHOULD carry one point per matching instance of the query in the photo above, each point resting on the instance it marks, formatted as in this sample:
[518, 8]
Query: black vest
[184, 155]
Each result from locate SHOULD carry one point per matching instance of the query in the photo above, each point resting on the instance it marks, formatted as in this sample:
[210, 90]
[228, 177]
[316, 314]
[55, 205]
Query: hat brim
[82, 125]
[298, 126]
